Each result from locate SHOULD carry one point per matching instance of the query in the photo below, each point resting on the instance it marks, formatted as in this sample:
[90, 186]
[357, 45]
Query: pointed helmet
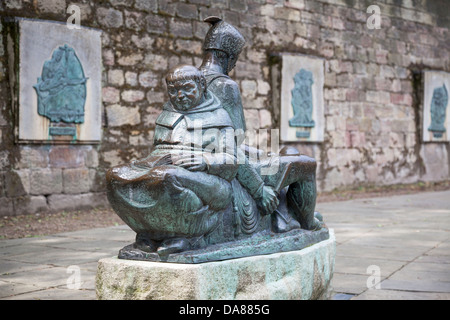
[224, 37]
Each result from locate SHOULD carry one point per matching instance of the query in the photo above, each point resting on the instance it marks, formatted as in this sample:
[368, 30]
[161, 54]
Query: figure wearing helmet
[222, 45]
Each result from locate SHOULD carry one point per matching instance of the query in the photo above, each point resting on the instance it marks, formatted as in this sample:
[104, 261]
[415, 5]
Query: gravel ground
[43, 223]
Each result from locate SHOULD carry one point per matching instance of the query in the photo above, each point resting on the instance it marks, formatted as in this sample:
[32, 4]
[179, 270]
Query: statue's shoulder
[168, 118]
[219, 79]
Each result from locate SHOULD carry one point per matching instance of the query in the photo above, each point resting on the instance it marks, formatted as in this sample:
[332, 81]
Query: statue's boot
[282, 221]
[173, 245]
[301, 198]
[144, 243]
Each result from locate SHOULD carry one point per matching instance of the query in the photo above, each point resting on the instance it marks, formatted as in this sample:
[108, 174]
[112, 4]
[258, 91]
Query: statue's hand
[269, 200]
[196, 163]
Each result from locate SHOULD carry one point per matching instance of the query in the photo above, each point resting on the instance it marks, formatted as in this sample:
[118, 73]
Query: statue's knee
[117, 173]
[167, 177]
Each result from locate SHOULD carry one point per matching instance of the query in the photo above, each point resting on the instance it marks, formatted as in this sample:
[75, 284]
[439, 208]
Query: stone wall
[372, 88]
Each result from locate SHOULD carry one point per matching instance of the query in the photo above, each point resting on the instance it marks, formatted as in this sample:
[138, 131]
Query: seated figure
[177, 194]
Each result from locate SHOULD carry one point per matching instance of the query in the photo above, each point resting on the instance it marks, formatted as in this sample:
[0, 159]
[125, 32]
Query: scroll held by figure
[199, 195]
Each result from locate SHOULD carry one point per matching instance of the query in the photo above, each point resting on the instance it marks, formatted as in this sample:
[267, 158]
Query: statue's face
[184, 94]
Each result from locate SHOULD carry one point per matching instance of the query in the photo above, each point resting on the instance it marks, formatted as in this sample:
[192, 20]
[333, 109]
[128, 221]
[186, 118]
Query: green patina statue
[202, 194]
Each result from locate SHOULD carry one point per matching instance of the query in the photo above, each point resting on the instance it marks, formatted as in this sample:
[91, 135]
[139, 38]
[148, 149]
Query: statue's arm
[233, 103]
[248, 177]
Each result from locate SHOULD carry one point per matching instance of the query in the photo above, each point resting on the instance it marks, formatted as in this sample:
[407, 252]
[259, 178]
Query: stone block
[132, 95]
[156, 24]
[263, 87]
[151, 116]
[188, 11]
[112, 157]
[189, 46]
[286, 14]
[33, 157]
[6, 207]
[156, 97]
[116, 3]
[111, 95]
[4, 161]
[115, 77]
[108, 57]
[119, 116]
[131, 78]
[303, 274]
[17, 183]
[60, 202]
[134, 20]
[156, 62]
[180, 29]
[91, 158]
[2, 184]
[145, 5]
[66, 157]
[130, 60]
[76, 180]
[251, 119]
[434, 155]
[52, 6]
[109, 18]
[144, 42]
[30, 204]
[148, 79]
[265, 119]
[46, 181]
[401, 98]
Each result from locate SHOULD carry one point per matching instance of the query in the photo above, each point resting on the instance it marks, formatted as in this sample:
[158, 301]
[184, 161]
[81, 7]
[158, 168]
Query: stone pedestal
[304, 274]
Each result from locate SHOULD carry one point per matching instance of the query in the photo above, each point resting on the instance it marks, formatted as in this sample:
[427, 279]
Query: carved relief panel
[300, 85]
[436, 121]
[56, 76]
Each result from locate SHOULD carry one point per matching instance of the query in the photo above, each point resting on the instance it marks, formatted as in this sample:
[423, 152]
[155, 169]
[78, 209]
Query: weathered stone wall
[372, 88]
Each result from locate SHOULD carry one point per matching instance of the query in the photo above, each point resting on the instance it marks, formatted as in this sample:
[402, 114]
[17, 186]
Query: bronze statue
[199, 195]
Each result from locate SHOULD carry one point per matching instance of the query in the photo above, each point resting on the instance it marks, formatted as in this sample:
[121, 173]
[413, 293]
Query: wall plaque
[57, 81]
[301, 98]
[436, 121]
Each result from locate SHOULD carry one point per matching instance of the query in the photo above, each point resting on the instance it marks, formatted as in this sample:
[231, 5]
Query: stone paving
[387, 248]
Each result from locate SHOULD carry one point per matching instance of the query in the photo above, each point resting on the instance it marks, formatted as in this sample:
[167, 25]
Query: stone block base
[304, 274]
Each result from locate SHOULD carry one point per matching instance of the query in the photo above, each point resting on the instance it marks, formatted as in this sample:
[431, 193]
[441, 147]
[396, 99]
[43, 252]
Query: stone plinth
[303, 274]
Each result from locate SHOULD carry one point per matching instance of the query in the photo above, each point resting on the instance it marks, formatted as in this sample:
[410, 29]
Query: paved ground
[398, 245]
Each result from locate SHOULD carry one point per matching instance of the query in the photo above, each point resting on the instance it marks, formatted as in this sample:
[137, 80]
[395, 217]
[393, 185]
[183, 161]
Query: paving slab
[354, 284]
[375, 294]
[399, 253]
[55, 294]
[58, 257]
[8, 289]
[416, 285]
[361, 265]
